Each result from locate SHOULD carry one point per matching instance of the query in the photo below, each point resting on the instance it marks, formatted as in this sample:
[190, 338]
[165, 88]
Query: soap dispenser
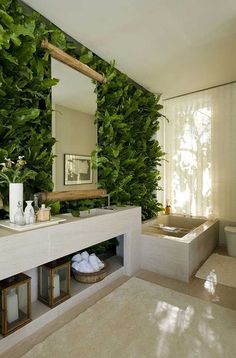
[43, 214]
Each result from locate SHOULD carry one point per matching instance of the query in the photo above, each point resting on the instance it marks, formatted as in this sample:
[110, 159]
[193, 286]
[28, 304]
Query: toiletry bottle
[36, 203]
[43, 214]
[29, 213]
[167, 208]
[19, 216]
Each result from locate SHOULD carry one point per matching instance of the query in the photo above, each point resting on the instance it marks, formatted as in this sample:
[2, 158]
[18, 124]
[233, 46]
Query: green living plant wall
[127, 116]
[25, 88]
[128, 153]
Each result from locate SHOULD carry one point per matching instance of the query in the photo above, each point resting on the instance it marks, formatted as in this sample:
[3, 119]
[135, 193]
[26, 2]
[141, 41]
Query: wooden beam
[72, 195]
[63, 57]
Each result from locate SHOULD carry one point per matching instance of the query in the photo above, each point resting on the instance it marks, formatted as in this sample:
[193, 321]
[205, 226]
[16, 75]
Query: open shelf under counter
[115, 268]
[114, 263]
[31, 249]
[42, 314]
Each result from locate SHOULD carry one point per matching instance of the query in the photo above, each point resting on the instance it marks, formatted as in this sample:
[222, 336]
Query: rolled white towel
[85, 255]
[75, 265]
[93, 262]
[84, 266]
[77, 258]
[100, 263]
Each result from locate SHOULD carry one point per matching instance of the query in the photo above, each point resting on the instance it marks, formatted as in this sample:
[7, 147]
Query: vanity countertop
[67, 217]
[21, 251]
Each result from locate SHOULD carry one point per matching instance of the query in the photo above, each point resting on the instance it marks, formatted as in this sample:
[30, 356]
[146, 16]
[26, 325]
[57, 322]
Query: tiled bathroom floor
[222, 250]
[220, 294]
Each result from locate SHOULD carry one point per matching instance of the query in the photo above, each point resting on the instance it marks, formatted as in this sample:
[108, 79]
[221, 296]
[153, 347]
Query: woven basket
[90, 277]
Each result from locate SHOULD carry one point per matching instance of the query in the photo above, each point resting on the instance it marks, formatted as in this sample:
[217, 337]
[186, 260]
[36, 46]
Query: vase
[19, 218]
[29, 213]
[15, 196]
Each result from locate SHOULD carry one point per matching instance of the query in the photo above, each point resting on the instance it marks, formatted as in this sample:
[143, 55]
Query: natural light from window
[191, 184]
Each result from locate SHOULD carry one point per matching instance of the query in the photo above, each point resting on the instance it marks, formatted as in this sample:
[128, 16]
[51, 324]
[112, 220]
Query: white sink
[94, 212]
[89, 213]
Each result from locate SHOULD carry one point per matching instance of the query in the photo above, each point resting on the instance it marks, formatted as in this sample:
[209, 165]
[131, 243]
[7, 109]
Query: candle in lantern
[56, 286]
[12, 307]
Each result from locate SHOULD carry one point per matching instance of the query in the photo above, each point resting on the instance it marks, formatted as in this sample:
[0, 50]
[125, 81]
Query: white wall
[75, 133]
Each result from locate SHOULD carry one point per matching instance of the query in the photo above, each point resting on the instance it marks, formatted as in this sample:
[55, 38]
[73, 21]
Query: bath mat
[140, 320]
[219, 269]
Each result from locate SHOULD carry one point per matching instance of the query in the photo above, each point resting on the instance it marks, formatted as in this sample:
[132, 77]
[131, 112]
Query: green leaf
[5, 18]
[15, 39]
[5, 4]
[24, 30]
[58, 39]
[87, 57]
[7, 56]
[25, 52]
[26, 114]
[49, 82]
[3, 154]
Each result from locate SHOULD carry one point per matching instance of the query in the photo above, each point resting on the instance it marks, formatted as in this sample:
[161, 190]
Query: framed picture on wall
[77, 169]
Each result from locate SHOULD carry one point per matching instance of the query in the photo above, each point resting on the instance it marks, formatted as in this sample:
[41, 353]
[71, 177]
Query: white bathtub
[175, 245]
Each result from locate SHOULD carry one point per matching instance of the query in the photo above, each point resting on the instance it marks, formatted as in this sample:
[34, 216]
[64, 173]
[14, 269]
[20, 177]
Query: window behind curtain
[200, 142]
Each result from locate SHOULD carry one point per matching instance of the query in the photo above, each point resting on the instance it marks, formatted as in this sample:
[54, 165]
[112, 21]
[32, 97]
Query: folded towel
[85, 255]
[77, 258]
[75, 265]
[93, 262]
[169, 228]
[99, 262]
[83, 266]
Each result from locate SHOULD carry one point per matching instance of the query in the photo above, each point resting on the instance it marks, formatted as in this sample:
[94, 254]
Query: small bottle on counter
[36, 203]
[29, 213]
[43, 213]
[19, 216]
[167, 208]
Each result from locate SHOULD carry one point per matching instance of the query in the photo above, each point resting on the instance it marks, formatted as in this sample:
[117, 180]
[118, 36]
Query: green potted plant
[105, 249]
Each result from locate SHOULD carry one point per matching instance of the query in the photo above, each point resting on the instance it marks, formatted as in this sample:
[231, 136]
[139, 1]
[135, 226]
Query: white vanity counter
[22, 251]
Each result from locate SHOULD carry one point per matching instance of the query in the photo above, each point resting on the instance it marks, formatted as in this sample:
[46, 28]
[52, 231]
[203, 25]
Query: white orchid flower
[20, 161]
[12, 172]
[9, 162]
[4, 167]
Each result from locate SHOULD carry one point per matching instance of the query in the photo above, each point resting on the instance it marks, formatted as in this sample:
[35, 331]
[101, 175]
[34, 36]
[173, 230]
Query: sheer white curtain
[200, 142]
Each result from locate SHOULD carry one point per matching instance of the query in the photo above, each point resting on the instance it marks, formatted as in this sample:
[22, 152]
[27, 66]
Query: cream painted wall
[181, 46]
[75, 133]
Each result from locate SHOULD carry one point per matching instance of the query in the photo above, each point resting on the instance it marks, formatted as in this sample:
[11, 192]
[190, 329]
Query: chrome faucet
[108, 196]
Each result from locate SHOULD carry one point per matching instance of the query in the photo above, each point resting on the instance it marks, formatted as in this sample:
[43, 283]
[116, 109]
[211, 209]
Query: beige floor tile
[21, 348]
[220, 295]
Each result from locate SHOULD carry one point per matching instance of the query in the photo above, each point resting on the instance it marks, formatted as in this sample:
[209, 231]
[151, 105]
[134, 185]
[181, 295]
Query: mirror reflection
[74, 104]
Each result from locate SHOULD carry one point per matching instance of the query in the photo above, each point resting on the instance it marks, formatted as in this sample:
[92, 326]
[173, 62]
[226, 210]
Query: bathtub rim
[189, 237]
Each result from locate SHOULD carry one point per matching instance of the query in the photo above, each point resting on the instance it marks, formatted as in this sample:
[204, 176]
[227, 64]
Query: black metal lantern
[15, 299]
[54, 282]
